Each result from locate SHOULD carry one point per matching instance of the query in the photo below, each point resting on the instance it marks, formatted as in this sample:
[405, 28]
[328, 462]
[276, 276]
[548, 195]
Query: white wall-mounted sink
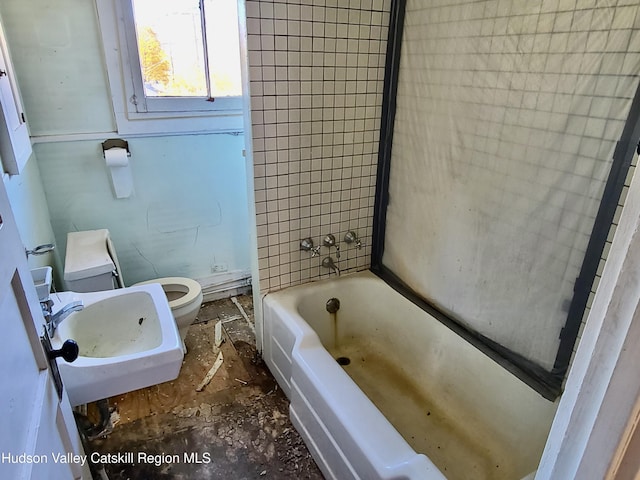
[127, 338]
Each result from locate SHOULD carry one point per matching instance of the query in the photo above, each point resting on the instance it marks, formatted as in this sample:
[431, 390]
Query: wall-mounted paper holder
[115, 143]
[116, 154]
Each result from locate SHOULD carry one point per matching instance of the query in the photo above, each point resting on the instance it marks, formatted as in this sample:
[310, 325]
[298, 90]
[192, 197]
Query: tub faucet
[52, 321]
[327, 262]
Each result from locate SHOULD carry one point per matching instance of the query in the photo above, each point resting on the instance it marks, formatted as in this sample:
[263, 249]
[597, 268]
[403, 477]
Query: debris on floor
[216, 366]
[237, 427]
[217, 334]
[244, 314]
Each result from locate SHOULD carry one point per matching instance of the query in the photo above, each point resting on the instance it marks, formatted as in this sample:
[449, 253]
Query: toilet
[91, 265]
[185, 297]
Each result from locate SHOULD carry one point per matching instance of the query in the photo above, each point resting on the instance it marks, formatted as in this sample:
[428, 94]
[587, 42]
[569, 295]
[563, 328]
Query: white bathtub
[416, 401]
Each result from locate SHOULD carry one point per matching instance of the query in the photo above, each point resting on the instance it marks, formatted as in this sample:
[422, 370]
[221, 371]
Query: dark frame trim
[391, 72]
[547, 383]
[622, 158]
[530, 373]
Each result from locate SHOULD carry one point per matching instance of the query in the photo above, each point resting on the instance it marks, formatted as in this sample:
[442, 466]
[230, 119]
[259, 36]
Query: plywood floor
[237, 427]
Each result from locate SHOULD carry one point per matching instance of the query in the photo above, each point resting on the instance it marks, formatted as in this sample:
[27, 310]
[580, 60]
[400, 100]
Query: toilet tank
[90, 264]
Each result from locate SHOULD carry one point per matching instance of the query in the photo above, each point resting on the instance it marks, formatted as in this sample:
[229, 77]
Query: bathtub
[382, 390]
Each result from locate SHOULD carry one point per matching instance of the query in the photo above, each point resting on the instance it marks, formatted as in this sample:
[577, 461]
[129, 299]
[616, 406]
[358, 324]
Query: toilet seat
[179, 284]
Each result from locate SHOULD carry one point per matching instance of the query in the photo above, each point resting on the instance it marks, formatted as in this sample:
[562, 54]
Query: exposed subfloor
[236, 428]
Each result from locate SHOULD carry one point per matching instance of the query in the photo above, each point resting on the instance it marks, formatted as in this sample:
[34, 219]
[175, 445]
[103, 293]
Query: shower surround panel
[508, 114]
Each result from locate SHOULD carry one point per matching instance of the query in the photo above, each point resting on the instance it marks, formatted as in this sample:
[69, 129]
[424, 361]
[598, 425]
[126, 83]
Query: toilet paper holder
[116, 153]
[115, 143]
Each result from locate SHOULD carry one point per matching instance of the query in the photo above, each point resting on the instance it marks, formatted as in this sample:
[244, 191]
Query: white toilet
[91, 265]
[185, 298]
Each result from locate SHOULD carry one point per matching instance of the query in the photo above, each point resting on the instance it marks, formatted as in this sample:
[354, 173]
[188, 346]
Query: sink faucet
[327, 262]
[52, 321]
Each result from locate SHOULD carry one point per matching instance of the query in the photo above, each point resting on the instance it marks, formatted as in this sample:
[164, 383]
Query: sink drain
[343, 360]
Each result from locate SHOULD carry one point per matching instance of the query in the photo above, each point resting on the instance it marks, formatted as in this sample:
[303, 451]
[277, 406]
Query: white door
[36, 428]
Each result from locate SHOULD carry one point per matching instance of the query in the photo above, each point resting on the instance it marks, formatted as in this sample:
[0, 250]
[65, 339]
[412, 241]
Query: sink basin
[127, 338]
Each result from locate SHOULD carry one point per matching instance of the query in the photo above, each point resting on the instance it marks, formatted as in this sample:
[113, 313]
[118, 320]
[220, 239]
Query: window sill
[157, 125]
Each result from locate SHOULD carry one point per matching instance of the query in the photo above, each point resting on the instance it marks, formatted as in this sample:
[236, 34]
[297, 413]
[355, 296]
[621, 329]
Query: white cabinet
[15, 144]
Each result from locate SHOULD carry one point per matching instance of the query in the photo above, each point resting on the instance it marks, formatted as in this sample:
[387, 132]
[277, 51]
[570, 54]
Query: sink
[128, 339]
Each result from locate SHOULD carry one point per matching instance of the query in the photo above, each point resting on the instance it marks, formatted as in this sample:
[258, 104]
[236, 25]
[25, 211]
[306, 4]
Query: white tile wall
[316, 70]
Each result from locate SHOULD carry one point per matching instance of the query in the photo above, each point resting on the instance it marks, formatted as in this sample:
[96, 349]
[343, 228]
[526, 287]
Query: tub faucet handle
[306, 244]
[329, 241]
[352, 237]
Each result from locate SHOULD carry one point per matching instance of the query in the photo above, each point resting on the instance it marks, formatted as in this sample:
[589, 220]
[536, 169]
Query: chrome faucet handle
[47, 307]
[306, 244]
[329, 240]
[54, 320]
[352, 237]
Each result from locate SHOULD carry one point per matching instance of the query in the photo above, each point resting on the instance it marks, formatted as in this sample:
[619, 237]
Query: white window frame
[135, 114]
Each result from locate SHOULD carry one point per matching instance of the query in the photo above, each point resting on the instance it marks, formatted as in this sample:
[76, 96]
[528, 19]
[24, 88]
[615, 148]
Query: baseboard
[225, 285]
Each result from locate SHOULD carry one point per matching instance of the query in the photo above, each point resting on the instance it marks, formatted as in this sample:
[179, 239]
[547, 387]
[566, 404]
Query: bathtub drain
[332, 305]
[343, 361]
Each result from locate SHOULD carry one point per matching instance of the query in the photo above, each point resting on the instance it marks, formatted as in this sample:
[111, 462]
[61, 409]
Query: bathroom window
[173, 66]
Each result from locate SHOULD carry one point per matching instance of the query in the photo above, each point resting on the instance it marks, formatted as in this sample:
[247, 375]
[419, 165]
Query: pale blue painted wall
[188, 213]
[31, 212]
[56, 49]
[190, 208]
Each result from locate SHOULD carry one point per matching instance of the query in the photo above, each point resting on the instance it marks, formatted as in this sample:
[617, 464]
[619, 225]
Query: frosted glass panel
[507, 118]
